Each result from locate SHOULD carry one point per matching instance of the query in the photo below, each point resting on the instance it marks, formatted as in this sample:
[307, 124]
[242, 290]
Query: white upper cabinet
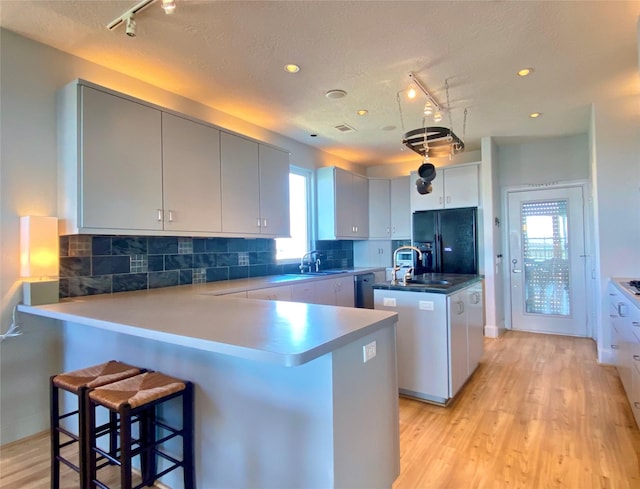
[400, 207]
[191, 175]
[454, 186]
[255, 187]
[127, 166]
[274, 191]
[111, 160]
[240, 185]
[379, 209]
[343, 204]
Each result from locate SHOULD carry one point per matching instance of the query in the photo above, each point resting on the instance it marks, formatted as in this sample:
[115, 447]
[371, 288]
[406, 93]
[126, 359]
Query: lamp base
[40, 292]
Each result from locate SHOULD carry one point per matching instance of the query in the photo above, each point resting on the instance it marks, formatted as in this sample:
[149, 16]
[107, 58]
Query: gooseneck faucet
[394, 280]
[309, 254]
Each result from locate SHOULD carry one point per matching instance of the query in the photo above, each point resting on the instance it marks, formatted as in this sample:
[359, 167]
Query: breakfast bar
[287, 394]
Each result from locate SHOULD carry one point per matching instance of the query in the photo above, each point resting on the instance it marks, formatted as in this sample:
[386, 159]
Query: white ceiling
[230, 55]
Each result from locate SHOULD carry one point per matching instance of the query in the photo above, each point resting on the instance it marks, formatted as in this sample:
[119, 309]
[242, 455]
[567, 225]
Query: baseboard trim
[493, 331]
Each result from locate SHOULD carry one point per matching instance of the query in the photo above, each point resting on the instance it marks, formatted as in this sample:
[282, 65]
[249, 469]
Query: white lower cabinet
[625, 344]
[439, 339]
[282, 293]
[335, 292]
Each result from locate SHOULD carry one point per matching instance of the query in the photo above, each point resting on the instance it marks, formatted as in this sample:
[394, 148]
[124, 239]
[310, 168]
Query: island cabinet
[453, 187]
[343, 204]
[126, 166]
[255, 187]
[624, 314]
[439, 336]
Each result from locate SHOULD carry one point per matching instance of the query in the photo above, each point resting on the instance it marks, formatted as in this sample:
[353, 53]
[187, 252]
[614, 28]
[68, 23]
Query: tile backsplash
[92, 265]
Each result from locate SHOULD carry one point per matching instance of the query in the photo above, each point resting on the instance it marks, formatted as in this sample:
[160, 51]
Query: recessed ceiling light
[334, 94]
[362, 112]
[291, 68]
[525, 71]
[535, 115]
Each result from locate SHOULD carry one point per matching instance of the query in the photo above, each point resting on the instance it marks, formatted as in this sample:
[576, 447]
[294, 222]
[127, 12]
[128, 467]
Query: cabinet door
[379, 209]
[475, 325]
[191, 171]
[427, 202]
[272, 293]
[344, 292]
[326, 292]
[121, 186]
[274, 191]
[240, 185]
[458, 353]
[635, 391]
[400, 208]
[461, 186]
[343, 203]
[304, 293]
[360, 206]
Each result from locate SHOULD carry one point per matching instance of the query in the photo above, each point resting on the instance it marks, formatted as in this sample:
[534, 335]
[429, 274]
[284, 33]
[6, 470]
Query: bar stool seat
[135, 400]
[78, 382]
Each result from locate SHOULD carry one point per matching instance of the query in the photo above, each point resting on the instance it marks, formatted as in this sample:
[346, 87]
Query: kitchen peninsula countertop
[284, 333]
[621, 284]
[439, 283]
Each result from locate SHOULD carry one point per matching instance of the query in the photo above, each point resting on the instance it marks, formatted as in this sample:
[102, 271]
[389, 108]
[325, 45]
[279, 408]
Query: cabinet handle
[636, 324]
[393, 230]
[621, 305]
[258, 222]
[448, 199]
[356, 228]
[264, 223]
[475, 298]
[159, 215]
[615, 347]
[460, 307]
[170, 216]
[636, 358]
[636, 405]
[388, 231]
[440, 200]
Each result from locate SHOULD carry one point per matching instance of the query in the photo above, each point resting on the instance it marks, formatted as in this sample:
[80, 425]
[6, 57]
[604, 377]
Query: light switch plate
[426, 305]
[389, 301]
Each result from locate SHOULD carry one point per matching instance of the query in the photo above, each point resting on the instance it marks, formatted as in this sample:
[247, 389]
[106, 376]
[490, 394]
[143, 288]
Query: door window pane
[545, 241]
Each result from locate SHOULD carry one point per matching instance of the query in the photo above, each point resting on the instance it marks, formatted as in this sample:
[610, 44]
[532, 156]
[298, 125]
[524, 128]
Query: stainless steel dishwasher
[364, 290]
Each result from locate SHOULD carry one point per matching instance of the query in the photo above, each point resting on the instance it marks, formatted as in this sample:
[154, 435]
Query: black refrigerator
[448, 240]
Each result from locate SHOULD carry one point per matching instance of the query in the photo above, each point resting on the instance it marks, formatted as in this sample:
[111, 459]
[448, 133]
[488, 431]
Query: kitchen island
[439, 332]
[284, 397]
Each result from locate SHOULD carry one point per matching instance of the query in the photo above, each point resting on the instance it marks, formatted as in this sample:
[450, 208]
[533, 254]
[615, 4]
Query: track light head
[131, 25]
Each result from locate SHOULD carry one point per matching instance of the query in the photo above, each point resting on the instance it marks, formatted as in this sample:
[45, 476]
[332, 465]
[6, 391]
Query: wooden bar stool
[135, 399]
[78, 382]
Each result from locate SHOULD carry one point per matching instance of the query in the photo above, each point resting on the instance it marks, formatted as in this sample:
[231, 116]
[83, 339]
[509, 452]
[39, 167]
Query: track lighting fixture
[128, 18]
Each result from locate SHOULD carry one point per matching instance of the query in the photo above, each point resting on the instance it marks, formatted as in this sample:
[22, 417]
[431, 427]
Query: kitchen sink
[325, 272]
[429, 282]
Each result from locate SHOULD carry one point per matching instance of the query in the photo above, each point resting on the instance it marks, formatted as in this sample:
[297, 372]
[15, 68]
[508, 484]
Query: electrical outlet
[426, 305]
[389, 302]
[368, 351]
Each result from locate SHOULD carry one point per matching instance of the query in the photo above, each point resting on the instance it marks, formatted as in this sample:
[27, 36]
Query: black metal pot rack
[433, 141]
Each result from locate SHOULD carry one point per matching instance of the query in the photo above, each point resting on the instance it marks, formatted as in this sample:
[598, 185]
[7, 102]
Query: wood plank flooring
[538, 413]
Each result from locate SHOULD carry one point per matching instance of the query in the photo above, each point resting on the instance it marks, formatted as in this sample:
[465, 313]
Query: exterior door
[546, 261]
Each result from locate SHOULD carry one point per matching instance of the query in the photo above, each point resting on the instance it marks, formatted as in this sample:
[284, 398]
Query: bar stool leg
[54, 434]
[91, 437]
[148, 439]
[188, 428]
[125, 447]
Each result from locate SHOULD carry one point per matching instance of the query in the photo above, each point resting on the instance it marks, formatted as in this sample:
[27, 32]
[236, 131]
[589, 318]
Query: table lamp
[39, 252]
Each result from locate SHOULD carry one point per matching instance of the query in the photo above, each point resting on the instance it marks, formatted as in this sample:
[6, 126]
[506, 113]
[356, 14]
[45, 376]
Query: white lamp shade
[39, 246]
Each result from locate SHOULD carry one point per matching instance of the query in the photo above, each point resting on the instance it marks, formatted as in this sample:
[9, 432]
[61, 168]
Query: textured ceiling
[230, 55]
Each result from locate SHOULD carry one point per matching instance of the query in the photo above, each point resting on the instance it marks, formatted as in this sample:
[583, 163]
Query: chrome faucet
[407, 275]
[309, 254]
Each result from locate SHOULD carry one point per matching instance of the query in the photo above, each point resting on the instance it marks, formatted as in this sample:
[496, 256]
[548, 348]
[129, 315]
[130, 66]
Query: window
[300, 217]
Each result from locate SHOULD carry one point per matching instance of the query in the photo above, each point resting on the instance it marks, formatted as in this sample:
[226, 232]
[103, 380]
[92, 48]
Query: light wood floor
[538, 413]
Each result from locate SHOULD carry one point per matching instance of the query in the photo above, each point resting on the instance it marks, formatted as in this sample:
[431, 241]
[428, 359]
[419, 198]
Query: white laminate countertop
[622, 285]
[195, 316]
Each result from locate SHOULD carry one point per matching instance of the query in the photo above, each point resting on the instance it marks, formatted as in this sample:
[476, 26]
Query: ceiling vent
[344, 128]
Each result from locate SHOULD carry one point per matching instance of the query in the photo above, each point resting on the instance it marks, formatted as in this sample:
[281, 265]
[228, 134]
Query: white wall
[30, 75]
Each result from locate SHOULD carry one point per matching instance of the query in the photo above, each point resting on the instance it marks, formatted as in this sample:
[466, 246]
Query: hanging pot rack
[433, 141]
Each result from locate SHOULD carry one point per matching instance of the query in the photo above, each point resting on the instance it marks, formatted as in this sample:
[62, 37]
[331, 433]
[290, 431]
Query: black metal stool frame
[146, 443]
